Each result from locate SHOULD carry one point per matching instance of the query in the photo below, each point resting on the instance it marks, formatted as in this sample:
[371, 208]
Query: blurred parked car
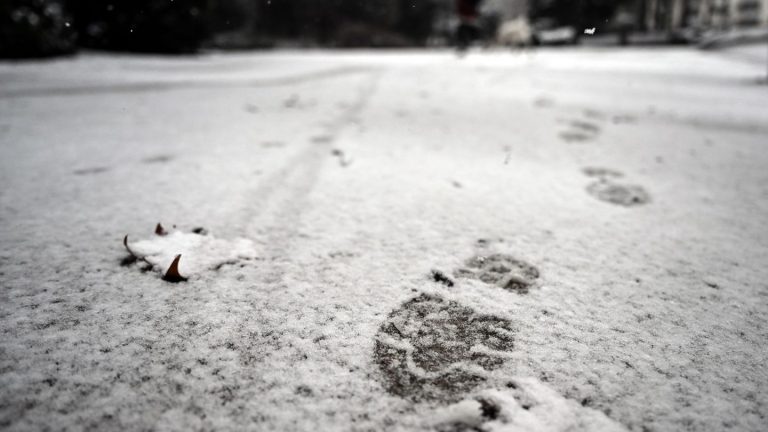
[515, 33]
[547, 31]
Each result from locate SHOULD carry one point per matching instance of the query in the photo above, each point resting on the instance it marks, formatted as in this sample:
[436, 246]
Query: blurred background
[39, 28]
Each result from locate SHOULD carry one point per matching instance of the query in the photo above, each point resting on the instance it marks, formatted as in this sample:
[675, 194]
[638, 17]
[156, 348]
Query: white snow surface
[199, 253]
[348, 177]
[531, 406]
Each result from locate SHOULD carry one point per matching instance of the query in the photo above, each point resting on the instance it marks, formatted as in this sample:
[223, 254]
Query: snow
[525, 404]
[336, 182]
[200, 252]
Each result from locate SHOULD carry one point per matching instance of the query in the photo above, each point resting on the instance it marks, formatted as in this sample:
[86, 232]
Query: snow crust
[346, 178]
[199, 252]
[526, 405]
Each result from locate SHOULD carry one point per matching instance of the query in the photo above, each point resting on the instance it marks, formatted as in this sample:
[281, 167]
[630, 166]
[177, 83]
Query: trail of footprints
[436, 350]
[581, 130]
[605, 187]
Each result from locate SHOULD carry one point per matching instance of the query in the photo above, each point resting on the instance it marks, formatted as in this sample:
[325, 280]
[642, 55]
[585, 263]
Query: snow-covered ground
[552, 240]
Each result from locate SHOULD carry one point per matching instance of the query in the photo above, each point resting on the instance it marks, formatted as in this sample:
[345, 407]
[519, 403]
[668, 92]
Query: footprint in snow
[157, 159]
[608, 190]
[585, 126]
[579, 131]
[435, 350]
[90, 171]
[601, 173]
[543, 102]
[575, 136]
[322, 139]
[501, 270]
[627, 195]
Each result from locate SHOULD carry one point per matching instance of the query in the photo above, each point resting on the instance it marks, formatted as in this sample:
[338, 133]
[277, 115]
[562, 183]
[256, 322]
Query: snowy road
[601, 215]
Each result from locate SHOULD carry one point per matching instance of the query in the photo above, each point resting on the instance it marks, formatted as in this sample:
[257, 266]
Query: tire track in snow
[270, 328]
[155, 86]
[272, 215]
[250, 328]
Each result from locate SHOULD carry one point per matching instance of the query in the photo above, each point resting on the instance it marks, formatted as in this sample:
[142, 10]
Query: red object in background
[467, 9]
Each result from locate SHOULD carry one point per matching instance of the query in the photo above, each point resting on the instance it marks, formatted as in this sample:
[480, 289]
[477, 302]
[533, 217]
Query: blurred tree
[347, 22]
[163, 26]
[230, 15]
[417, 19]
[35, 28]
[43, 27]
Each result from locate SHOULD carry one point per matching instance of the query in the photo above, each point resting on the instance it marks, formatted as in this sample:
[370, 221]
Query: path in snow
[544, 240]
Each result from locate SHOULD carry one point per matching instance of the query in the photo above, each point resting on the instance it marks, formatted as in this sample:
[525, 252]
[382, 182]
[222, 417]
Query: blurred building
[508, 9]
[647, 15]
[733, 13]
[671, 15]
